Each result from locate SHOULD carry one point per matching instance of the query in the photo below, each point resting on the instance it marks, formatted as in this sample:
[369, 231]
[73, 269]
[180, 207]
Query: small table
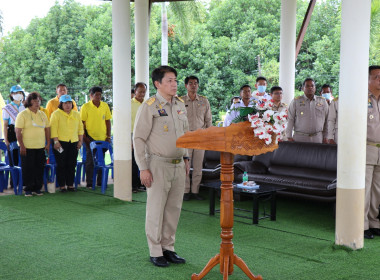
[263, 191]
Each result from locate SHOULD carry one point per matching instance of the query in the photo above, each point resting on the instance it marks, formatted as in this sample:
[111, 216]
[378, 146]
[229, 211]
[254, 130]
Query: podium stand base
[217, 260]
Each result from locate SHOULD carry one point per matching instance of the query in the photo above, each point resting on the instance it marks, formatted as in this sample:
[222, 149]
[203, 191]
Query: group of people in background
[35, 128]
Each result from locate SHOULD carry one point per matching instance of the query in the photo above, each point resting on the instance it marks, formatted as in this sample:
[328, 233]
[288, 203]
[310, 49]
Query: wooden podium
[235, 139]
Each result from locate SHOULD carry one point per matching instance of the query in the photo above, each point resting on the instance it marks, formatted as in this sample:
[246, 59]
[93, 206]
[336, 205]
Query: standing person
[326, 92]
[67, 132]
[199, 116]
[246, 101]
[332, 126]
[53, 103]
[261, 86]
[10, 112]
[307, 116]
[278, 106]
[33, 136]
[96, 118]
[276, 95]
[163, 167]
[139, 91]
[372, 171]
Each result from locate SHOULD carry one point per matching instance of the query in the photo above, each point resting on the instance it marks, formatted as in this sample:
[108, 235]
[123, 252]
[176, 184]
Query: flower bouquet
[263, 119]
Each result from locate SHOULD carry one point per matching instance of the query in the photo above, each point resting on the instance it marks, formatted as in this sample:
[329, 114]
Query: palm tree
[185, 12]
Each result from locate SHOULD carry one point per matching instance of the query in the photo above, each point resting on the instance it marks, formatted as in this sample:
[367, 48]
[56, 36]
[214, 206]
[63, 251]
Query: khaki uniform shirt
[307, 117]
[332, 126]
[281, 107]
[158, 125]
[373, 121]
[198, 112]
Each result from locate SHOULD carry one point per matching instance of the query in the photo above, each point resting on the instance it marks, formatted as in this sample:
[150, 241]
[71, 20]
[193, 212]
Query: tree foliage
[73, 45]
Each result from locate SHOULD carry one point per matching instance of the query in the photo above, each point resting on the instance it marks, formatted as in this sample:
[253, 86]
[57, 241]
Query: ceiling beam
[304, 26]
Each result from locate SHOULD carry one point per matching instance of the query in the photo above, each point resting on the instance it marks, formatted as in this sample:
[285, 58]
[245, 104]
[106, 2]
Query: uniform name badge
[162, 112]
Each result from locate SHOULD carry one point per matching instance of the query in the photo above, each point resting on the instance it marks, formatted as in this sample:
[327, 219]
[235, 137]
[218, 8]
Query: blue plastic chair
[15, 171]
[50, 171]
[81, 167]
[99, 163]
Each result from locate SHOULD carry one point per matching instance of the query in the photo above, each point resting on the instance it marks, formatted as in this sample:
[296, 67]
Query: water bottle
[245, 178]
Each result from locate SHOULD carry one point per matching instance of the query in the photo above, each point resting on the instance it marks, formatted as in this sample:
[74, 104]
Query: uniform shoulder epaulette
[203, 96]
[180, 99]
[336, 98]
[317, 96]
[298, 97]
[150, 101]
[284, 104]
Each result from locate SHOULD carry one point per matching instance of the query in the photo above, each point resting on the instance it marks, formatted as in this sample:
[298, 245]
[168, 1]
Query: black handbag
[11, 133]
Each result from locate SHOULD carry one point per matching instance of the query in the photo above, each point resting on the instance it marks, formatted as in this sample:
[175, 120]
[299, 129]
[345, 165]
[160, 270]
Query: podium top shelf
[236, 139]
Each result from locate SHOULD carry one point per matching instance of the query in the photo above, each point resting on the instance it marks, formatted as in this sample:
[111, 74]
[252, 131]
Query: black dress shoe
[159, 261]
[197, 196]
[375, 231]
[186, 196]
[368, 234]
[172, 257]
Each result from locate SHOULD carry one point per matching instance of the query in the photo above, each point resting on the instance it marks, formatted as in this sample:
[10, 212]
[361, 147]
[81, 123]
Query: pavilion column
[142, 42]
[121, 52]
[352, 123]
[288, 48]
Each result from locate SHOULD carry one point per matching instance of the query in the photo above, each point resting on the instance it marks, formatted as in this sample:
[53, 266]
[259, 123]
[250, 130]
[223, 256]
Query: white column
[142, 42]
[352, 122]
[288, 48]
[121, 52]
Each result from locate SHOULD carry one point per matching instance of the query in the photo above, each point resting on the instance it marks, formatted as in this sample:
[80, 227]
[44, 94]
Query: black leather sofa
[306, 170]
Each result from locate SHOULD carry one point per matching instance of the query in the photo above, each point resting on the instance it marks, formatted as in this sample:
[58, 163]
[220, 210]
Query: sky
[21, 12]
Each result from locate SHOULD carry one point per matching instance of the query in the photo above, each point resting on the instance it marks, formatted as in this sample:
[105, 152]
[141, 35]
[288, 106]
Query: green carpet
[86, 235]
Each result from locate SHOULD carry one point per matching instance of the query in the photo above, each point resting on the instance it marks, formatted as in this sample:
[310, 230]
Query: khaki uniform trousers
[318, 138]
[164, 202]
[196, 176]
[372, 188]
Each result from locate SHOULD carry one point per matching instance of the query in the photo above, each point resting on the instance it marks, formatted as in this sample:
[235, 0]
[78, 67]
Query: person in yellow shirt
[96, 118]
[33, 136]
[53, 103]
[137, 100]
[67, 132]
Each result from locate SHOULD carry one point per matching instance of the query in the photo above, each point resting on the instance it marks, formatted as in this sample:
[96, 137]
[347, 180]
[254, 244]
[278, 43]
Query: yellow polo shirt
[95, 119]
[52, 105]
[134, 107]
[33, 128]
[65, 126]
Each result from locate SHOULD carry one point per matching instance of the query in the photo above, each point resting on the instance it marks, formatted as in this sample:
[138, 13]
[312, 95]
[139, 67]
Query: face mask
[18, 97]
[326, 95]
[261, 88]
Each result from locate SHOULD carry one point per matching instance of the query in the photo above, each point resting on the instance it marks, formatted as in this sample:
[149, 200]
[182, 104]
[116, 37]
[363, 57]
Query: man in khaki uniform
[163, 167]
[307, 116]
[199, 116]
[278, 106]
[332, 122]
[372, 172]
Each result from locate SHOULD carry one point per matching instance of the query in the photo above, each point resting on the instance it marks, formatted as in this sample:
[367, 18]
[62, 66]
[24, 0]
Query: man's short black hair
[159, 73]
[243, 86]
[307, 79]
[325, 86]
[95, 89]
[261, 78]
[60, 85]
[372, 67]
[140, 84]
[274, 88]
[191, 78]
